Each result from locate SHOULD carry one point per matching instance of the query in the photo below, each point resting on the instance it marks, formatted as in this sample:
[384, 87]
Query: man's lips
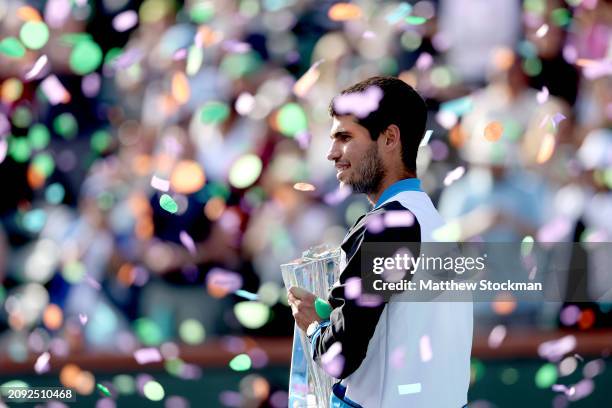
[341, 167]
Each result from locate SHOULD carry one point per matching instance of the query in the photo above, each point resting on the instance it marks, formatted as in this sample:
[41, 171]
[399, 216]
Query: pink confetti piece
[542, 96]
[83, 318]
[147, 355]
[425, 61]
[42, 363]
[303, 139]
[398, 358]
[397, 219]
[597, 69]
[332, 361]
[557, 118]
[124, 21]
[3, 148]
[541, 32]
[360, 104]
[160, 184]
[589, 4]
[219, 277]
[90, 84]
[5, 125]
[259, 358]
[368, 34]
[352, 288]
[128, 58]
[375, 224]
[36, 69]
[81, 3]
[237, 47]
[564, 389]
[187, 241]
[425, 348]
[583, 389]
[54, 90]
[179, 54]
[555, 230]
[57, 12]
[497, 336]
[338, 195]
[569, 315]
[553, 350]
[426, 138]
[454, 175]
[92, 282]
[593, 368]
[544, 121]
[369, 300]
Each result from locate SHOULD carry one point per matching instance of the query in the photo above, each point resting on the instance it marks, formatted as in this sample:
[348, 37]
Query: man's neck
[384, 184]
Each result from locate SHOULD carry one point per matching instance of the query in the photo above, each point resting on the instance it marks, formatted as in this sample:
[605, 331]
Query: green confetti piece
[191, 331]
[167, 203]
[242, 362]
[509, 376]
[124, 384]
[22, 117]
[34, 34]
[38, 136]
[11, 47]
[75, 38]
[44, 163]
[214, 112]
[238, 65]
[202, 12]
[73, 272]
[546, 376]
[100, 140]
[66, 125]
[19, 149]
[322, 308]
[415, 20]
[86, 57]
[561, 17]
[527, 245]
[292, 119]
[532, 66]
[251, 314]
[245, 171]
[103, 390]
[148, 332]
[153, 391]
[477, 370]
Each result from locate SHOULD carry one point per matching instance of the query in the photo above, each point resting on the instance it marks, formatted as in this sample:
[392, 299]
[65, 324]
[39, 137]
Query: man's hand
[302, 307]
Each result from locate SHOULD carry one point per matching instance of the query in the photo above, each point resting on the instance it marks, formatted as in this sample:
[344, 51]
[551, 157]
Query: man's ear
[392, 136]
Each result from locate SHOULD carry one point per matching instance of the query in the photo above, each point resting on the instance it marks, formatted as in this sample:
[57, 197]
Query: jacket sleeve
[353, 321]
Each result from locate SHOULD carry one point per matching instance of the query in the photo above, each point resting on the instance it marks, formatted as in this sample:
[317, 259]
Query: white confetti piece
[497, 336]
[542, 96]
[54, 90]
[124, 21]
[147, 355]
[42, 363]
[36, 69]
[3, 148]
[160, 184]
[541, 32]
[405, 389]
[187, 241]
[425, 349]
[394, 219]
[360, 104]
[83, 318]
[454, 175]
[553, 350]
[426, 138]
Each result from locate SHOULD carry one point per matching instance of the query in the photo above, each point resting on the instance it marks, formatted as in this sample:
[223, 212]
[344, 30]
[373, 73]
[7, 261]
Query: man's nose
[334, 152]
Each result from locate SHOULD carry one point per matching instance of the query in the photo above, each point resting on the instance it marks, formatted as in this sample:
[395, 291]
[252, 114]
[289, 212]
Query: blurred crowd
[160, 160]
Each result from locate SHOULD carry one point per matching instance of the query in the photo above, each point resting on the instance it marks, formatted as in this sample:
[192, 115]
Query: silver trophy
[316, 271]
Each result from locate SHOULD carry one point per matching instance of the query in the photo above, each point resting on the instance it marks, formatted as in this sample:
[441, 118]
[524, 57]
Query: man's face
[355, 155]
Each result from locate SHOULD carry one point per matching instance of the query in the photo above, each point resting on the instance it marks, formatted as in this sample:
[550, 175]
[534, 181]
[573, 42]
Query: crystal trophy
[316, 271]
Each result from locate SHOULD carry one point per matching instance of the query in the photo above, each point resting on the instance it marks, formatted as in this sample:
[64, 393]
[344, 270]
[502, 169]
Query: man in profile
[381, 362]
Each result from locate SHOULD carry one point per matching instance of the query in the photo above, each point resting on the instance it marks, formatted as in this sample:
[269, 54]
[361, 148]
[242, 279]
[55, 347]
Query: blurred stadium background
[160, 159]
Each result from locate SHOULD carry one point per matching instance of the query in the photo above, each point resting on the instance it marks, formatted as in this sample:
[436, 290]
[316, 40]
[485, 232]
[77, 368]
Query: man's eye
[344, 138]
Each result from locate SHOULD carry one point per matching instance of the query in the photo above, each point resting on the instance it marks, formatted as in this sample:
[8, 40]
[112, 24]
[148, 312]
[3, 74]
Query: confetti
[90, 85]
[582, 389]
[493, 131]
[187, 177]
[92, 282]
[291, 119]
[557, 118]
[160, 184]
[344, 12]
[11, 47]
[563, 388]
[167, 203]
[251, 314]
[497, 336]
[195, 58]
[86, 57]
[542, 96]
[352, 288]
[400, 12]
[103, 390]
[214, 113]
[147, 355]
[415, 20]
[83, 319]
[28, 13]
[179, 54]
[332, 361]
[3, 148]
[425, 349]
[405, 389]
[42, 363]
[153, 391]
[187, 242]
[305, 83]
[57, 12]
[242, 362]
[221, 282]
[128, 58]
[398, 358]
[424, 61]
[180, 88]
[34, 34]
[36, 69]
[454, 175]
[54, 90]
[304, 187]
[553, 350]
[245, 171]
[541, 32]
[546, 376]
[426, 138]
[246, 295]
[124, 21]
[360, 104]
[547, 148]
[398, 219]
[569, 315]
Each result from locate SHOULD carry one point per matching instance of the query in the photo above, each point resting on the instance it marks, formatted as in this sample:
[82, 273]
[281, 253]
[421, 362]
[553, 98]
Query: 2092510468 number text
[37, 394]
